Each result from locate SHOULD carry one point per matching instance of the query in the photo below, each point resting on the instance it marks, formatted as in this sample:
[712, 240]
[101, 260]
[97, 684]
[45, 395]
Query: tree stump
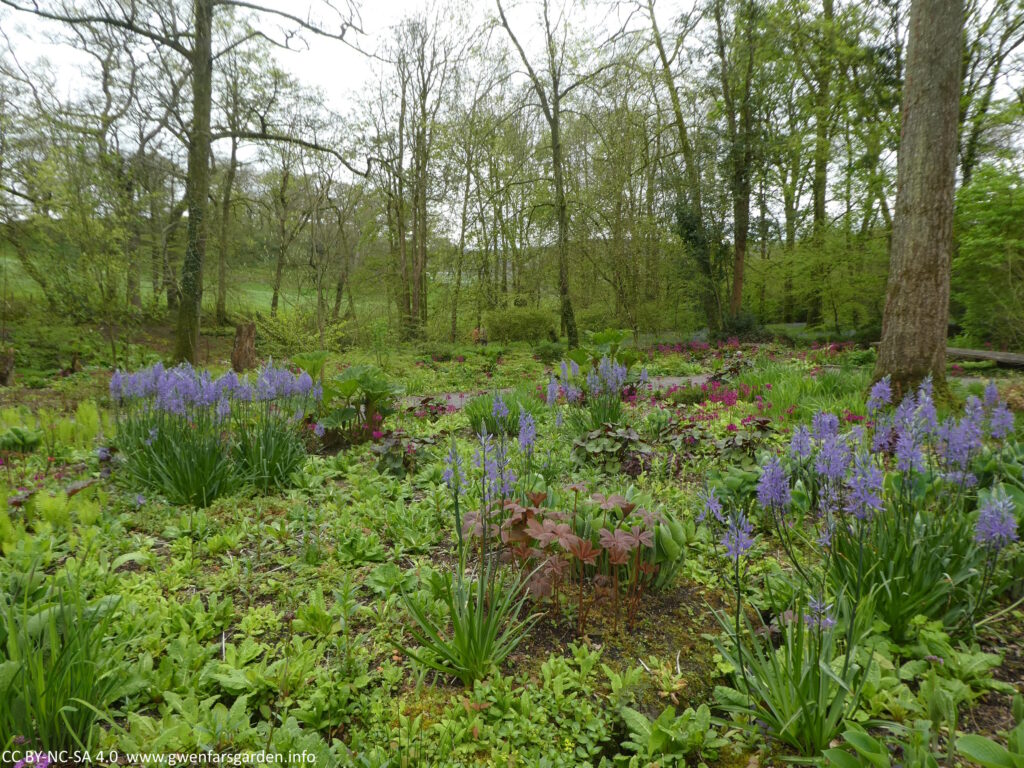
[243, 355]
[6, 366]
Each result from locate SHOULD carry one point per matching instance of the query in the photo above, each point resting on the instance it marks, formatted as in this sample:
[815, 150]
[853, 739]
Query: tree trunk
[914, 326]
[197, 187]
[741, 219]
[243, 355]
[568, 316]
[225, 233]
[822, 108]
[133, 284]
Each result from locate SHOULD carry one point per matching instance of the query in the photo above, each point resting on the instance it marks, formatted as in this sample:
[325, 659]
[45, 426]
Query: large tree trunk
[197, 186]
[914, 326]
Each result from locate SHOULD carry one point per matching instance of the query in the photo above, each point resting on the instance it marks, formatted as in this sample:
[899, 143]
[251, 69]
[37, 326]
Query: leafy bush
[548, 352]
[608, 447]
[296, 330]
[611, 541]
[357, 401]
[744, 327]
[519, 324]
[611, 343]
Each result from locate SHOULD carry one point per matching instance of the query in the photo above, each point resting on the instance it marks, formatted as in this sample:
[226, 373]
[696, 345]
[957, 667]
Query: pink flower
[732, 428]
[377, 434]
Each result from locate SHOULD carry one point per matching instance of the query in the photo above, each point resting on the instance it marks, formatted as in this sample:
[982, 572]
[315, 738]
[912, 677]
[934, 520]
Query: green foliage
[988, 753]
[920, 560]
[519, 324]
[480, 411]
[745, 327]
[295, 331]
[988, 270]
[400, 454]
[803, 692]
[609, 343]
[267, 447]
[60, 671]
[358, 400]
[548, 352]
[866, 750]
[20, 440]
[186, 462]
[608, 447]
[670, 738]
[486, 626]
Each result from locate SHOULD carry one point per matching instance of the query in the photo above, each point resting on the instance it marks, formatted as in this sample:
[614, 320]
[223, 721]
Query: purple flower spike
[824, 425]
[737, 538]
[773, 487]
[997, 525]
[833, 458]
[800, 444]
[553, 391]
[499, 410]
[865, 489]
[881, 395]
[712, 506]
[1001, 422]
[527, 432]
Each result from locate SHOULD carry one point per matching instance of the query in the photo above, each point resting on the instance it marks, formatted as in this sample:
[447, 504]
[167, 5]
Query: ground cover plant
[746, 580]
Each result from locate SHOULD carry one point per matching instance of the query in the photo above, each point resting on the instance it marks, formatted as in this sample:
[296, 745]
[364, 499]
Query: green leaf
[986, 752]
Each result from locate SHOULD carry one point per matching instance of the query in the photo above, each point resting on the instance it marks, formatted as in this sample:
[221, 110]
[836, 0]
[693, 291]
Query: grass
[802, 389]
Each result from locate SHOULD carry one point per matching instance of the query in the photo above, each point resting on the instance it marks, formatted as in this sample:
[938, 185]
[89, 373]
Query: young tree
[552, 85]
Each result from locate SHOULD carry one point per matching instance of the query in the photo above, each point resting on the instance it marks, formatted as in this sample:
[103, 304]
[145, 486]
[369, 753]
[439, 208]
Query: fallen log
[1007, 359]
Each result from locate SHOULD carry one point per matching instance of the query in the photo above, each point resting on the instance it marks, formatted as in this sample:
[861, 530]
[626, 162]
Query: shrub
[296, 330]
[519, 324]
[548, 352]
[744, 327]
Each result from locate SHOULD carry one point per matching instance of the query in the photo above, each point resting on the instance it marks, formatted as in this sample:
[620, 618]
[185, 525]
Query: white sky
[338, 70]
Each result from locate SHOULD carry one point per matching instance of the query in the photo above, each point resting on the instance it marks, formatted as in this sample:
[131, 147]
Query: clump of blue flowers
[594, 396]
[191, 438]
